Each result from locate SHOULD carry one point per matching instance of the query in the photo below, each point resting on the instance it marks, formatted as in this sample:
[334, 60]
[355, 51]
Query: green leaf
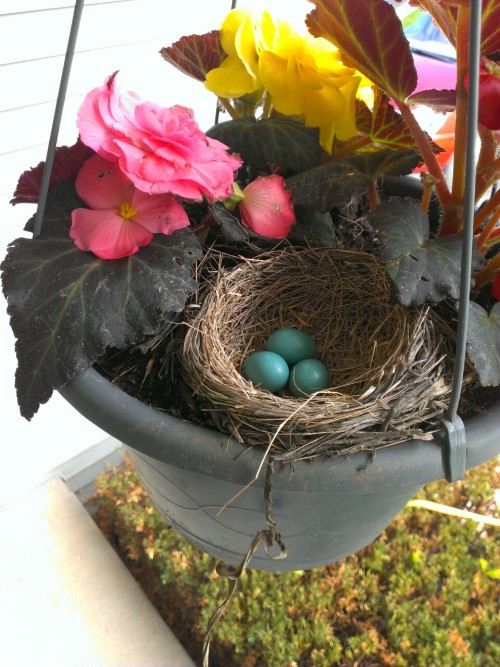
[378, 163]
[483, 343]
[494, 573]
[331, 184]
[231, 227]
[195, 55]
[67, 306]
[314, 227]
[422, 269]
[271, 142]
[370, 36]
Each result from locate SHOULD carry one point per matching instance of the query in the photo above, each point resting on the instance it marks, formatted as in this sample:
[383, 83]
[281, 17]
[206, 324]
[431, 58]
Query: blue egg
[291, 344]
[266, 370]
[307, 377]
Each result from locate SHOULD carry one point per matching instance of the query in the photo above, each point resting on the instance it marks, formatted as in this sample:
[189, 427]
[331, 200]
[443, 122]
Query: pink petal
[101, 186]
[106, 234]
[159, 213]
[94, 130]
[159, 150]
[267, 208]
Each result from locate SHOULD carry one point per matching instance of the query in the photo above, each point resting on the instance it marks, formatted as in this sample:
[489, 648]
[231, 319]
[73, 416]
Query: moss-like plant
[425, 593]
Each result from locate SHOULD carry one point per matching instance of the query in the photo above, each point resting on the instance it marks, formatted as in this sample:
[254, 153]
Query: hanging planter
[139, 206]
[324, 511]
[206, 485]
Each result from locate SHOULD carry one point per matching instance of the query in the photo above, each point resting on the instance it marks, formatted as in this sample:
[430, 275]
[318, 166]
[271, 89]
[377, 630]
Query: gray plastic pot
[324, 511]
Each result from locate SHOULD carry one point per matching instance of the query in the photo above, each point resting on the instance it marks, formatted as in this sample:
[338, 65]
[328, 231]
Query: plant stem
[489, 227]
[487, 274]
[452, 223]
[373, 197]
[267, 106]
[486, 210]
[226, 104]
[428, 185]
[487, 168]
[427, 154]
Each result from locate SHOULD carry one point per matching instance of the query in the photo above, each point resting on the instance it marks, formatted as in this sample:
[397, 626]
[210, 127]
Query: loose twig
[268, 537]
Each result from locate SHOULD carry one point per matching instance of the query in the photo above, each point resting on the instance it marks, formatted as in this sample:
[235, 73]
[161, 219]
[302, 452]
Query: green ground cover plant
[424, 594]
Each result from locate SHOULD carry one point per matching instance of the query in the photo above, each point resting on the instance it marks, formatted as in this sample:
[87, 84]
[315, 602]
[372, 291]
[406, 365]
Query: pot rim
[183, 444]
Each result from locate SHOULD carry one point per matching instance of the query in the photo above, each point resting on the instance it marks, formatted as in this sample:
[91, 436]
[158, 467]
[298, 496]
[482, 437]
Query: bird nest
[386, 363]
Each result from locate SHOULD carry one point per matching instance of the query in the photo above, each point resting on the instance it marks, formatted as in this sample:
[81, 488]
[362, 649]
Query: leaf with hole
[66, 306]
[422, 269]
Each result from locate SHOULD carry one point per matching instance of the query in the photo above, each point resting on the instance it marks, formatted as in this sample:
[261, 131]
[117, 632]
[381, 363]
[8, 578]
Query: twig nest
[386, 366]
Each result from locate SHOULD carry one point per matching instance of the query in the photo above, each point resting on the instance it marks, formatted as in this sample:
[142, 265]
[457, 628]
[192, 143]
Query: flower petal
[489, 94]
[231, 79]
[101, 186]
[159, 150]
[106, 234]
[267, 208]
[159, 214]
[238, 73]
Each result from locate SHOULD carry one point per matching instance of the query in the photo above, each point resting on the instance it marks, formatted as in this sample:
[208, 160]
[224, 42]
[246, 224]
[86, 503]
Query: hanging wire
[469, 202]
[56, 122]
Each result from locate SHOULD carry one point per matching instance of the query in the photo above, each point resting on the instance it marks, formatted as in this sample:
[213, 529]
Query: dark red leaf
[363, 117]
[385, 126]
[67, 163]
[490, 28]
[388, 127]
[369, 32]
[442, 101]
[195, 55]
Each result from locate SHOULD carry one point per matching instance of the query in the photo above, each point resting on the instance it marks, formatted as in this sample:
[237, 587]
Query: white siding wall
[123, 35]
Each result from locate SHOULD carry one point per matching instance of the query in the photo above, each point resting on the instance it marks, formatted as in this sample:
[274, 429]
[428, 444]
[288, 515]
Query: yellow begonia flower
[304, 77]
[302, 74]
[238, 74]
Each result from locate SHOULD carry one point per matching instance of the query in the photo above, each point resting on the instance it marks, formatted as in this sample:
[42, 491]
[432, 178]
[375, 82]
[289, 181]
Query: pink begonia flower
[266, 207]
[489, 94]
[158, 149]
[120, 218]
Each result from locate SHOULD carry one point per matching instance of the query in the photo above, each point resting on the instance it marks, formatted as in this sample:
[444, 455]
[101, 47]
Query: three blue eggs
[287, 359]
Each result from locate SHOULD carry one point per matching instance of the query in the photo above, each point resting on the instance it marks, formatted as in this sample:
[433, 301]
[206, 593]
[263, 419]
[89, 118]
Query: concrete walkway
[66, 599]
